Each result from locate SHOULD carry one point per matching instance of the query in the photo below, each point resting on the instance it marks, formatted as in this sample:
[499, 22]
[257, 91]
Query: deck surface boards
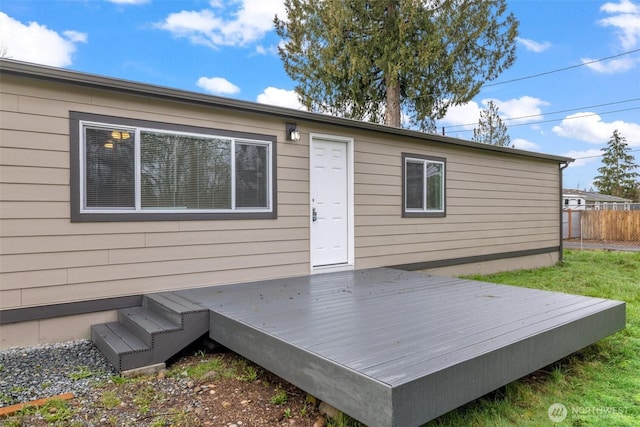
[427, 342]
[413, 363]
[127, 342]
[430, 324]
[330, 311]
[395, 338]
[149, 319]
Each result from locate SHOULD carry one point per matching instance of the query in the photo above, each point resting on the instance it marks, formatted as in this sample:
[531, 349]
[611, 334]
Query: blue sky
[228, 48]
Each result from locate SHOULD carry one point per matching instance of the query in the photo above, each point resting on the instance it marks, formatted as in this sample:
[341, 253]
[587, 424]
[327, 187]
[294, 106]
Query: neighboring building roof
[592, 196]
[18, 68]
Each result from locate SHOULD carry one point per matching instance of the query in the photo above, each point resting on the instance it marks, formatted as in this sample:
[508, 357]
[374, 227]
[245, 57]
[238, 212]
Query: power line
[560, 69]
[578, 117]
[555, 120]
[600, 155]
[553, 112]
[573, 109]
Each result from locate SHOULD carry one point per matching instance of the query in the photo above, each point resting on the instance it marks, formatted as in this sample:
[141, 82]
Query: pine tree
[380, 60]
[617, 174]
[491, 129]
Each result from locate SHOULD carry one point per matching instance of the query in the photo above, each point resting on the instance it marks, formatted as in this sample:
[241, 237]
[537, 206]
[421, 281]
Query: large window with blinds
[423, 189]
[155, 171]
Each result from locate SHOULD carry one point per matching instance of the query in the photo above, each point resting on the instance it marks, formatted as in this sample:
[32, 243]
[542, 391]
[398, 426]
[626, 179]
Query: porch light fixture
[293, 134]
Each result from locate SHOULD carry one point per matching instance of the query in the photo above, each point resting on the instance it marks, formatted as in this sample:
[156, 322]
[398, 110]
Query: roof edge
[30, 70]
[594, 195]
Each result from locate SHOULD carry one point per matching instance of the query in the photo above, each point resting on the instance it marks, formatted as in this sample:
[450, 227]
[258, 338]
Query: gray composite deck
[397, 348]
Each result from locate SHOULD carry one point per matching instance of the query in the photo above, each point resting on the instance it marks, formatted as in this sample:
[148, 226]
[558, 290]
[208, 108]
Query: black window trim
[77, 215]
[423, 214]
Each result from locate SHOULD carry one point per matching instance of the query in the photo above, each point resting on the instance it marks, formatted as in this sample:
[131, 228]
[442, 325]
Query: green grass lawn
[599, 385]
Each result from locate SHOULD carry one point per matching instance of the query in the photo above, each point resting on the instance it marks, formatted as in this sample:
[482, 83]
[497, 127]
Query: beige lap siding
[495, 203]
[46, 259]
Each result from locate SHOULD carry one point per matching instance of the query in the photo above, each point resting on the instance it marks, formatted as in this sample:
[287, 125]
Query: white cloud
[217, 85]
[266, 50]
[589, 127]
[625, 20]
[613, 66]
[584, 157]
[519, 110]
[280, 97]
[463, 117]
[533, 45]
[628, 27]
[235, 23]
[36, 43]
[76, 37]
[523, 144]
[625, 6]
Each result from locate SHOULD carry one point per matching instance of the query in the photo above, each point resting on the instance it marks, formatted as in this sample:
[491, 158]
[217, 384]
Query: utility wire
[555, 120]
[578, 117]
[552, 112]
[600, 155]
[560, 111]
[560, 69]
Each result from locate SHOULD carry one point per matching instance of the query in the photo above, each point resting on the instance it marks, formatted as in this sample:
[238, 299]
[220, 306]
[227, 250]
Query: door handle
[314, 215]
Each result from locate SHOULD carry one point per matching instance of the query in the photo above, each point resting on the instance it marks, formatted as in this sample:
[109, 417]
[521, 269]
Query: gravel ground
[47, 370]
[198, 389]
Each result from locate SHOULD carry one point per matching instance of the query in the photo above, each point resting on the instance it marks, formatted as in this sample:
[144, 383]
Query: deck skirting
[333, 383]
[433, 395]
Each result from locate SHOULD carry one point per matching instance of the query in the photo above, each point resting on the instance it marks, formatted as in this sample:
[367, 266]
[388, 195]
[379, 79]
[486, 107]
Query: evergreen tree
[377, 60]
[491, 129]
[617, 174]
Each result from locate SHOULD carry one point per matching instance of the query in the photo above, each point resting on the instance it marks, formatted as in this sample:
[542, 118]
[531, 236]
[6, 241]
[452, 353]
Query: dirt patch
[220, 389]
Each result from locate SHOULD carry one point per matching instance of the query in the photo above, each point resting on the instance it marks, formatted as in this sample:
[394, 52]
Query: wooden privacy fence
[617, 226]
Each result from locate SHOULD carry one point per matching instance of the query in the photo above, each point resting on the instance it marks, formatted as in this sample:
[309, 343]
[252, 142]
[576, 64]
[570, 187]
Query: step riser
[138, 323]
[136, 329]
[117, 343]
[105, 349]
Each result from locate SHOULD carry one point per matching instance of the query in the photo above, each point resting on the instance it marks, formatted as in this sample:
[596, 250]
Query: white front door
[330, 203]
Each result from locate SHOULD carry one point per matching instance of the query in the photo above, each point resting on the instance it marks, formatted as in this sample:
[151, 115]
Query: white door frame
[350, 203]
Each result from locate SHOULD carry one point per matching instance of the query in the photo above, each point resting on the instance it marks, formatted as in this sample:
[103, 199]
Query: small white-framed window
[423, 186]
[128, 170]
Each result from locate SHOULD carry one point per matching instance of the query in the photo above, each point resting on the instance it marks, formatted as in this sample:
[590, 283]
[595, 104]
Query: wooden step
[171, 306]
[151, 333]
[146, 323]
[115, 341]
